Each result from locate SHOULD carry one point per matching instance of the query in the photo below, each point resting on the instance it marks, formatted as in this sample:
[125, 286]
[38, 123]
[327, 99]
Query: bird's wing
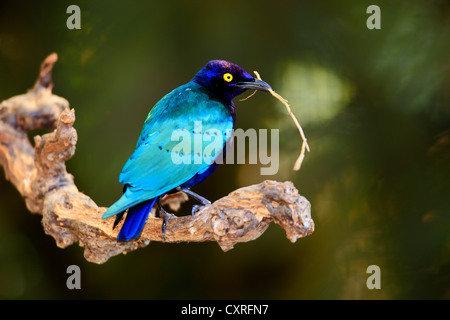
[186, 126]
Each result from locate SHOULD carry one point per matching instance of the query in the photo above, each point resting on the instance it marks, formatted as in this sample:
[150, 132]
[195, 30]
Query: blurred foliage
[375, 106]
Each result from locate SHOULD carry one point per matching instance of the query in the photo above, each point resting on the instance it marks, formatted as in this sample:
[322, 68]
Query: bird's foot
[166, 217]
[196, 208]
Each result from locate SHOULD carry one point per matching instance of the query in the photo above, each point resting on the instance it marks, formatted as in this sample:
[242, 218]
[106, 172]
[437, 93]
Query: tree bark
[39, 174]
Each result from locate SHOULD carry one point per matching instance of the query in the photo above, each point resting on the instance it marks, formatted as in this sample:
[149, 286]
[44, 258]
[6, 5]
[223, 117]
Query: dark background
[374, 104]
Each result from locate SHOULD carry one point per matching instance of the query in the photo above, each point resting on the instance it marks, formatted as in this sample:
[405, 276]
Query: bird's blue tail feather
[135, 220]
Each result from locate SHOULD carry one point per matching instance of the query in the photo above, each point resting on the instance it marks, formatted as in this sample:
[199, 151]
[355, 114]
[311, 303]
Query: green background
[374, 104]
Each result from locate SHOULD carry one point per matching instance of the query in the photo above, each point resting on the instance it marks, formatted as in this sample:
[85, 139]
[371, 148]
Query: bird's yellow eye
[228, 77]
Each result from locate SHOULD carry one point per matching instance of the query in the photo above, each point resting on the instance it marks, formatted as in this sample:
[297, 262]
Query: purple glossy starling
[150, 172]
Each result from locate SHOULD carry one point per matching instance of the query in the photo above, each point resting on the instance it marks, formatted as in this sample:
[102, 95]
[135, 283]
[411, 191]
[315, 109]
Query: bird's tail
[135, 220]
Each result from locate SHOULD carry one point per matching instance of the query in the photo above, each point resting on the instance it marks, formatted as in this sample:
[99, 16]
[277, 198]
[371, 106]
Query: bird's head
[227, 80]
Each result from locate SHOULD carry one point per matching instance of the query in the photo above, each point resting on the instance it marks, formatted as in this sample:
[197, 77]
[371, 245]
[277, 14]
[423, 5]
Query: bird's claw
[166, 217]
[196, 208]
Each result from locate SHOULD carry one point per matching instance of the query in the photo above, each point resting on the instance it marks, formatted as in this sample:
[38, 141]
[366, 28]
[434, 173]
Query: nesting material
[305, 145]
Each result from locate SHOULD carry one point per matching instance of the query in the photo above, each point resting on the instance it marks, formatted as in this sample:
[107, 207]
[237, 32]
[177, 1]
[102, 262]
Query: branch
[40, 175]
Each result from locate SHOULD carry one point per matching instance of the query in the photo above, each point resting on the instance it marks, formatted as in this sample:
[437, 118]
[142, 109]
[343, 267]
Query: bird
[150, 173]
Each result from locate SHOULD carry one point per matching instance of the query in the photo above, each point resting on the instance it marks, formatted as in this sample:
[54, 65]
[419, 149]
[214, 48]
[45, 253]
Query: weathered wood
[70, 216]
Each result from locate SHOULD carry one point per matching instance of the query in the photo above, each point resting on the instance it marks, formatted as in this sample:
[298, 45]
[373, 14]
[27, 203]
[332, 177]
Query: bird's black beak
[255, 84]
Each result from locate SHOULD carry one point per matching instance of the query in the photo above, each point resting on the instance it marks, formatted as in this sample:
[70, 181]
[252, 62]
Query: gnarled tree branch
[69, 216]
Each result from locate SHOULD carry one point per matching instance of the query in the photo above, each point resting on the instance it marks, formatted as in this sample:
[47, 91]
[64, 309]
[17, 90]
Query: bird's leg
[199, 198]
[165, 215]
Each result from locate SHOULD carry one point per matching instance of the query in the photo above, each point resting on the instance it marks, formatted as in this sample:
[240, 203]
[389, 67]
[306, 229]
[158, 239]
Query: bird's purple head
[227, 80]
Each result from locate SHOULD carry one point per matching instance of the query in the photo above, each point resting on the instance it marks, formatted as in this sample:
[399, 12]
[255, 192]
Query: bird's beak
[255, 84]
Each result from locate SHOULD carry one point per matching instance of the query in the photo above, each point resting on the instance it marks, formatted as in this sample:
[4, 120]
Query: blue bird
[151, 173]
